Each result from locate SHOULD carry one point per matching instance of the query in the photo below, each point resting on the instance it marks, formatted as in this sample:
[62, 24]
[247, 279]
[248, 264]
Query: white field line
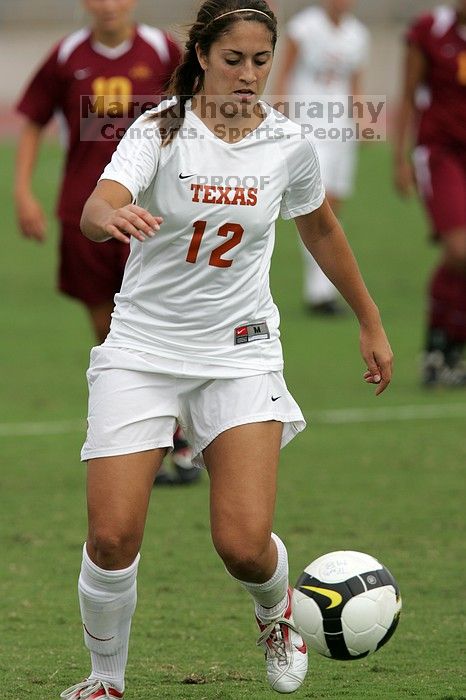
[390, 413]
[331, 417]
[60, 427]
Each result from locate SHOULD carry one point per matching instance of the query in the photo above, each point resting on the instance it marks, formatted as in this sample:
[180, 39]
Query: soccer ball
[346, 605]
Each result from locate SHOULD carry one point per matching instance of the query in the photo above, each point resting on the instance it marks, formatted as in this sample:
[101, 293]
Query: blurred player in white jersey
[324, 54]
[196, 188]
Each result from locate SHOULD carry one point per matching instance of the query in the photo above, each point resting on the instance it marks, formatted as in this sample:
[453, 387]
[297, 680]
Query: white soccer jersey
[197, 295]
[329, 54]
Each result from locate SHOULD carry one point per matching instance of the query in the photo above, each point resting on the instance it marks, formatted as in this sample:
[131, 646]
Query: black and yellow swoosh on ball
[334, 597]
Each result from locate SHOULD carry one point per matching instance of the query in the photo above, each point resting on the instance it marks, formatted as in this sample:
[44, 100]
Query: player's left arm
[324, 238]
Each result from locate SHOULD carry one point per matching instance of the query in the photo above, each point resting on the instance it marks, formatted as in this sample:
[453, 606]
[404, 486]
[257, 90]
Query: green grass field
[386, 476]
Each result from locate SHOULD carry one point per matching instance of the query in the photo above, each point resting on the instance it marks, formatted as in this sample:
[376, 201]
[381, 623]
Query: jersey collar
[113, 52]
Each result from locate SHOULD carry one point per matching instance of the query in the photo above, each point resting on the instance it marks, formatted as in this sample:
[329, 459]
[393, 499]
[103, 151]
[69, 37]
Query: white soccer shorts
[133, 409]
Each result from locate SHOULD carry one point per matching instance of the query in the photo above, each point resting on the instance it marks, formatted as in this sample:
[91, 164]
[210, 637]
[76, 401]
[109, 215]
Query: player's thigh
[242, 463]
[441, 181]
[101, 316]
[118, 494]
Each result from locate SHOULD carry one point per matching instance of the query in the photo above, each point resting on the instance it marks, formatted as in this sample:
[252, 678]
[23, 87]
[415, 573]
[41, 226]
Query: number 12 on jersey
[216, 259]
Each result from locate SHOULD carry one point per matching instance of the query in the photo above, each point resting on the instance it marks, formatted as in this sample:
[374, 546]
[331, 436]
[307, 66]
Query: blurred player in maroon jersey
[434, 100]
[112, 57]
[111, 61]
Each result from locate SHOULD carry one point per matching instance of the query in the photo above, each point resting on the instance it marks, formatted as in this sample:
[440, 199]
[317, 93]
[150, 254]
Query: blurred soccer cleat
[437, 370]
[332, 308]
[181, 470]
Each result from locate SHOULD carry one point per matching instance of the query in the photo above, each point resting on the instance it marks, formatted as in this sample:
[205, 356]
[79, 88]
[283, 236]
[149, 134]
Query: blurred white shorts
[133, 409]
[337, 166]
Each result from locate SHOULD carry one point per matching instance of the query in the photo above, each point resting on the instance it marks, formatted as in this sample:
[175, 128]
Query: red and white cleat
[285, 652]
[91, 689]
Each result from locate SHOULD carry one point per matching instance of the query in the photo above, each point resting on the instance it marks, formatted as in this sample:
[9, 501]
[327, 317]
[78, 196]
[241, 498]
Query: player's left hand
[378, 357]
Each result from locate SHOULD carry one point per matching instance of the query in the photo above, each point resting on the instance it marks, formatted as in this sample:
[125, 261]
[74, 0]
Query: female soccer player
[434, 100]
[323, 57]
[197, 187]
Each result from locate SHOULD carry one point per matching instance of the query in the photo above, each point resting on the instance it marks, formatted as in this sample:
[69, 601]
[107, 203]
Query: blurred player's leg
[446, 336]
[441, 178]
[100, 316]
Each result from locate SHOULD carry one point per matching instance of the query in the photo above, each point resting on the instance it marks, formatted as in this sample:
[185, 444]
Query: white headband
[233, 12]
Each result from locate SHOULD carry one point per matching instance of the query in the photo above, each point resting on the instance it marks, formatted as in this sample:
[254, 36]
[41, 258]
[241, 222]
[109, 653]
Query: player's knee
[112, 548]
[244, 559]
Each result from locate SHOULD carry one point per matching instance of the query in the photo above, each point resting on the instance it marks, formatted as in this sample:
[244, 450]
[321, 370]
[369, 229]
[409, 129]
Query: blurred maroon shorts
[441, 180]
[91, 272]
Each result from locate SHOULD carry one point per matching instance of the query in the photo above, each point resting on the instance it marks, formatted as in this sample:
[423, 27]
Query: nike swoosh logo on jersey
[185, 177]
[334, 597]
[275, 398]
[82, 73]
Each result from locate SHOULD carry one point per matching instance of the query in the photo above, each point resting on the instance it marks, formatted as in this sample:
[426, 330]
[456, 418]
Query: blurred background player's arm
[288, 59]
[30, 215]
[414, 72]
[40, 99]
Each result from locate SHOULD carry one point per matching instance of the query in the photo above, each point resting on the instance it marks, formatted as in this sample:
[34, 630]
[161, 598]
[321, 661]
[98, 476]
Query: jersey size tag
[253, 331]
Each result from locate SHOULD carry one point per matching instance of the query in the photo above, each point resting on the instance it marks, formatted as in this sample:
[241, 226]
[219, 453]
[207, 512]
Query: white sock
[107, 600]
[271, 597]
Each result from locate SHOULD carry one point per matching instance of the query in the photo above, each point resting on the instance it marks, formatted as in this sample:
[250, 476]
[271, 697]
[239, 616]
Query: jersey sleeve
[305, 191]
[42, 95]
[134, 163]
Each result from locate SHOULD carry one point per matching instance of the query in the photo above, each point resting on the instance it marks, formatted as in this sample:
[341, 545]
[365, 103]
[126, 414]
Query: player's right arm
[414, 74]
[109, 213]
[30, 215]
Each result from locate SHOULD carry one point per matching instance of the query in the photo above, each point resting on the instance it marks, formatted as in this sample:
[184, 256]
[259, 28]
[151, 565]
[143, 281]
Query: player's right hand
[134, 221]
[405, 183]
[31, 218]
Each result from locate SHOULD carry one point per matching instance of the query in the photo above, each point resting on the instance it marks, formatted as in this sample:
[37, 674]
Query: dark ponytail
[187, 80]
